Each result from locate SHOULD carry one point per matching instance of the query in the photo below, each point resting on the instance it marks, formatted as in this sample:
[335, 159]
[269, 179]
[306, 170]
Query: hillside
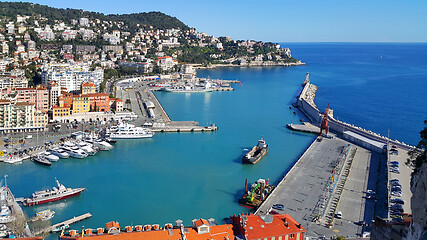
[156, 19]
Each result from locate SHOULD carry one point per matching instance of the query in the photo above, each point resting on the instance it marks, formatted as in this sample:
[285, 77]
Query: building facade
[71, 75]
[17, 117]
[80, 104]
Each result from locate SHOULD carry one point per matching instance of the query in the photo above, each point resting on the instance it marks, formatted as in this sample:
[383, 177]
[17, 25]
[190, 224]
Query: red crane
[324, 125]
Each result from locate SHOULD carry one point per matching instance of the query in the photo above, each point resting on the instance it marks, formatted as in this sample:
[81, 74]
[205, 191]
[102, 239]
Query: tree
[417, 157]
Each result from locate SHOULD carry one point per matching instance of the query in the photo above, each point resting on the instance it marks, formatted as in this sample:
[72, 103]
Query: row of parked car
[396, 209]
[394, 167]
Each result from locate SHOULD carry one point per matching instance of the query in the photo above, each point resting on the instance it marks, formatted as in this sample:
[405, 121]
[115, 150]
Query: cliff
[418, 228]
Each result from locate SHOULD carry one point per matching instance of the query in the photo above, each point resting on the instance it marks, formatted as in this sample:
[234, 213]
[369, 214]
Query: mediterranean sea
[199, 175]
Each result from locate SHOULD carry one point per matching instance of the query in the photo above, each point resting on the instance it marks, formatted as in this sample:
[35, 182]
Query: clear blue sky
[283, 20]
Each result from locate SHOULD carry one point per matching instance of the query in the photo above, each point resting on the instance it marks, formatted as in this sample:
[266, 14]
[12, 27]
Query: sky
[282, 20]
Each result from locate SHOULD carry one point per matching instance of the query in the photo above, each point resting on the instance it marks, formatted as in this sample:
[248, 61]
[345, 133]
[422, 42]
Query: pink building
[38, 95]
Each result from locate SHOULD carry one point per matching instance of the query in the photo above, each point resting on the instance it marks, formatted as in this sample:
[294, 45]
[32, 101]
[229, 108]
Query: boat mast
[5, 180]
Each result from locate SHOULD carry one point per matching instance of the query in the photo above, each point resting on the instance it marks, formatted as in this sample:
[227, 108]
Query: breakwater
[305, 103]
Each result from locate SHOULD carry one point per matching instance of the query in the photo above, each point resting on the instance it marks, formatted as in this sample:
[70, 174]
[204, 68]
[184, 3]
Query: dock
[185, 129]
[67, 222]
[305, 127]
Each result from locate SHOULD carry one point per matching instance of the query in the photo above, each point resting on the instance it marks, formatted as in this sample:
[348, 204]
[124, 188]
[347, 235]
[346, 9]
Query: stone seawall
[305, 103]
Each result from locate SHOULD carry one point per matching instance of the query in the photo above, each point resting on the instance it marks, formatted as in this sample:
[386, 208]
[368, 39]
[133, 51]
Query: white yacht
[74, 151]
[130, 131]
[102, 145]
[59, 152]
[87, 147]
[49, 156]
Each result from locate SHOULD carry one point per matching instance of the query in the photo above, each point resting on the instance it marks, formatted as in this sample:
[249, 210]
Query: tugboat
[257, 193]
[41, 160]
[52, 195]
[256, 153]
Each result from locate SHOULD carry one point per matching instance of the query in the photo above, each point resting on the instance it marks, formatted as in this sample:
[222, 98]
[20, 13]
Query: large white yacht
[126, 130]
[59, 152]
[73, 150]
[49, 156]
[87, 147]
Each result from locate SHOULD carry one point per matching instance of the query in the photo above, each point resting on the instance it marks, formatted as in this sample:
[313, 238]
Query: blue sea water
[192, 175]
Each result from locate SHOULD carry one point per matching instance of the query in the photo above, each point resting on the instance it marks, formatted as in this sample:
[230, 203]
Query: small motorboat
[61, 227]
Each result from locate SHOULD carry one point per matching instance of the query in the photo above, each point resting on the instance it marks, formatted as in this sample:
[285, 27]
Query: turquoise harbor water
[192, 175]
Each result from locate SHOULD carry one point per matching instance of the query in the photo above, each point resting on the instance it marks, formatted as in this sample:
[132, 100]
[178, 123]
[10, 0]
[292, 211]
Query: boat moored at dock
[49, 156]
[41, 160]
[52, 195]
[257, 193]
[59, 152]
[74, 151]
[256, 153]
[129, 131]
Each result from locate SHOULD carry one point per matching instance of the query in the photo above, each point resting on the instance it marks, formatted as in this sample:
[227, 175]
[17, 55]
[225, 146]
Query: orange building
[268, 227]
[65, 100]
[99, 102]
[87, 87]
[201, 230]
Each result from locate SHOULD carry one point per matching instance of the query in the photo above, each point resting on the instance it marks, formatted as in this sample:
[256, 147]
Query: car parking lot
[399, 183]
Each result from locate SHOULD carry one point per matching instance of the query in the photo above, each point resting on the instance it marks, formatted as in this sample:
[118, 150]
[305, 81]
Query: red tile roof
[267, 226]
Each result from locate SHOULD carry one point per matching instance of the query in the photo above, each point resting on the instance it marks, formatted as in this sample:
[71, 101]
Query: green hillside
[156, 19]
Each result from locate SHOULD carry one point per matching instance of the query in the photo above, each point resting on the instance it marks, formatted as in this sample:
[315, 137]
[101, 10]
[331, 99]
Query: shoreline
[256, 64]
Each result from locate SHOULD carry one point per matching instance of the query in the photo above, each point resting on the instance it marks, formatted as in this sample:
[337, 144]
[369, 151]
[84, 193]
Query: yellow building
[88, 87]
[60, 111]
[40, 119]
[80, 104]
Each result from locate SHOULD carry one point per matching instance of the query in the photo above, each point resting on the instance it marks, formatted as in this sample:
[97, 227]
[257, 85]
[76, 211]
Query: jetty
[67, 222]
[305, 127]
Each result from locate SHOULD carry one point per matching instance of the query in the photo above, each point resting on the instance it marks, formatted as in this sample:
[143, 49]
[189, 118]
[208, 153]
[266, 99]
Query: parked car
[395, 184]
[278, 206]
[397, 200]
[338, 215]
[394, 181]
[396, 193]
[395, 162]
[395, 170]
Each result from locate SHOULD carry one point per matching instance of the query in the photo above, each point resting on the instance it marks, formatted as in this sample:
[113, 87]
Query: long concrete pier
[66, 222]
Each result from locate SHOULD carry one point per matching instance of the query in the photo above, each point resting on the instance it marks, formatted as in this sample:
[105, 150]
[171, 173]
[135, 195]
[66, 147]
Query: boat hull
[257, 155]
[30, 202]
[131, 137]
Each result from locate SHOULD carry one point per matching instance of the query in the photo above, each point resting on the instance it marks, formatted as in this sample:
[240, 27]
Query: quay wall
[305, 103]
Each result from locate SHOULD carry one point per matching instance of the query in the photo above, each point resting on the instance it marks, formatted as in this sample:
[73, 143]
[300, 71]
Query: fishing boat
[41, 160]
[256, 153]
[52, 195]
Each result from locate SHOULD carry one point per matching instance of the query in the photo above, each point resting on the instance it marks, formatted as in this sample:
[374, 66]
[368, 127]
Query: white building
[13, 79]
[71, 75]
[84, 22]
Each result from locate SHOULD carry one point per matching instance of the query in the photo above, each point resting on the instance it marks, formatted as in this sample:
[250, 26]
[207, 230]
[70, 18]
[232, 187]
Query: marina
[228, 163]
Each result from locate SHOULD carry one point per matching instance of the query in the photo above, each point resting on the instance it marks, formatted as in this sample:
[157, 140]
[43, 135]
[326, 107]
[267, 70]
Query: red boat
[52, 195]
